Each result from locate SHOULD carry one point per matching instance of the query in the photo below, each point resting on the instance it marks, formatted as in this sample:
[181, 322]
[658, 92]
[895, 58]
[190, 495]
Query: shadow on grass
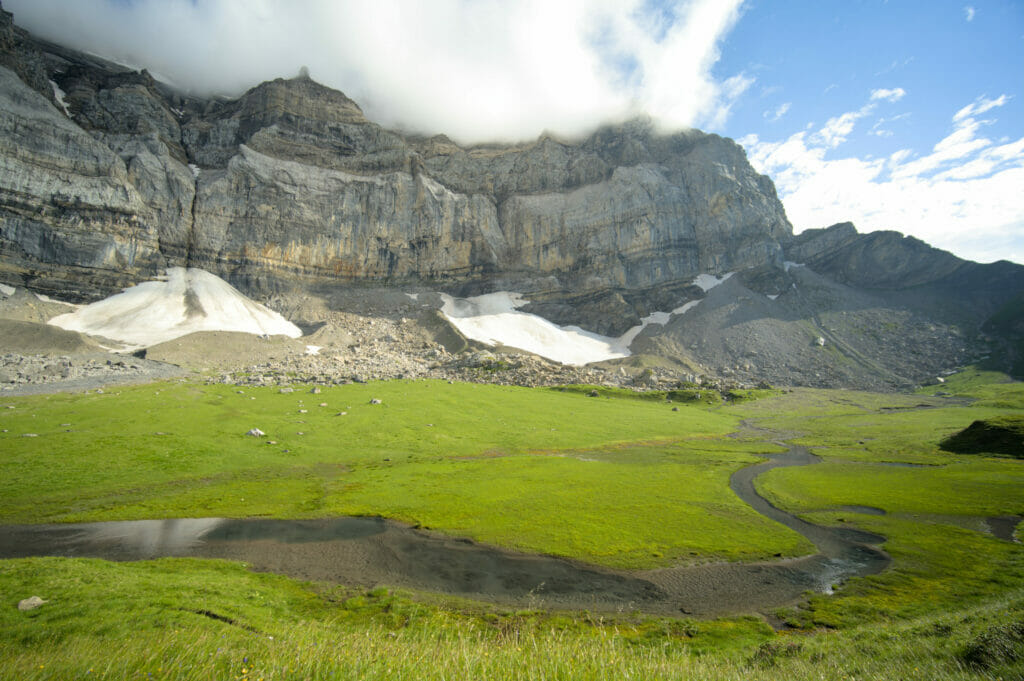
[1002, 435]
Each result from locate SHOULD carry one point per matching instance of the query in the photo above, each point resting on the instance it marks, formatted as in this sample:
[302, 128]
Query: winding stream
[372, 551]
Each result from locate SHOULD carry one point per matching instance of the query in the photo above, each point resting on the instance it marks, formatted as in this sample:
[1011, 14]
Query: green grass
[987, 388]
[649, 486]
[634, 506]
[189, 620]
[858, 426]
[472, 460]
[988, 487]
[935, 531]
[942, 556]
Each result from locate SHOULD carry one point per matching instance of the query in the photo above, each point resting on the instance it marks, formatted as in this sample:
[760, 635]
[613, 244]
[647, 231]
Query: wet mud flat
[374, 551]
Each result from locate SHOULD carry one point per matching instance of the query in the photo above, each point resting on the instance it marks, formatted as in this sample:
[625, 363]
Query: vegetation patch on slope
[998, 435]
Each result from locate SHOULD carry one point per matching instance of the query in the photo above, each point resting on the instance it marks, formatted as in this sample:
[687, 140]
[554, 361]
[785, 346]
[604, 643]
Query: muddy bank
[356, 551]
[373, 551]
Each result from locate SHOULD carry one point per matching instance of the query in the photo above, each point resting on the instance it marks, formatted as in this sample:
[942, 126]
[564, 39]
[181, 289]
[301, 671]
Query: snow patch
[686, 307]
[313, 349]
[47, 299]
[660, 318]
[706, 282]
[7, 290]
[771, 296]
[414, 296]
[195, 170]
[58, 94]
[789, 265]
[494, 319]
[185, 301]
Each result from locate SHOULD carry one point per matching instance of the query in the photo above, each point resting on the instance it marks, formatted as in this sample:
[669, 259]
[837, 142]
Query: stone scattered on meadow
[256, 432]
[30, 603]
[375, 401]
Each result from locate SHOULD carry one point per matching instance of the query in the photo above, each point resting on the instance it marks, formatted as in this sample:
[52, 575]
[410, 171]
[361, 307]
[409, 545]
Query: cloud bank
[477, 70]
[964, 196]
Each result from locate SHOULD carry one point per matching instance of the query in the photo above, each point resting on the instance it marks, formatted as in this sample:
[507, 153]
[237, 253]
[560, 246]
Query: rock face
[288, 192]
[291, 186]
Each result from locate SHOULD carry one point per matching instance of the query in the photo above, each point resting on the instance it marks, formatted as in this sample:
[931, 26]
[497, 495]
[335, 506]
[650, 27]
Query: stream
[369, 551]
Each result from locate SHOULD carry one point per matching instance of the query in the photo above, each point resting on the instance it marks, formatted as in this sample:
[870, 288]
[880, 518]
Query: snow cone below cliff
[183, 302]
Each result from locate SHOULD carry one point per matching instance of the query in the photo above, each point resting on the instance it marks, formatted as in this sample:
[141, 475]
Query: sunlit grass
[168, 619]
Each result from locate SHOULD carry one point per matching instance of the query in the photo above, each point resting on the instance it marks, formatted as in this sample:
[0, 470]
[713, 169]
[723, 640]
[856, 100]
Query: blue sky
[906, 114]
[937, 152]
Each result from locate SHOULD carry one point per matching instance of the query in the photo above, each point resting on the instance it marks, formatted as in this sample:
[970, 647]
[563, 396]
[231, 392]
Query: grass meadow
[618, 480]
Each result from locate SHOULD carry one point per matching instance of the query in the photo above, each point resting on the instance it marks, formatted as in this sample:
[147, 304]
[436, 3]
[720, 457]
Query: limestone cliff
[290, 186]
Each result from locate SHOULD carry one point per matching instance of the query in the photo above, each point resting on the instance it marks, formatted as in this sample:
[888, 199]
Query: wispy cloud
[837, 129]
[778, 112]
[969, 13]
[879, 131]
[979, 106]
[475, 69]
[893, 95]
[963, 196]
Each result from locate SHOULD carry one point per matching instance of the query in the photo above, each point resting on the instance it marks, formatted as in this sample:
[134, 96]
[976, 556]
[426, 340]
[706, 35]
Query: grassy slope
[168, 619]
[951, 607]
[475, 460]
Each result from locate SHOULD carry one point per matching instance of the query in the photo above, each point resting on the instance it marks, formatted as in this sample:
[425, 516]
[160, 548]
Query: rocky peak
[19, 54]
[295, 188]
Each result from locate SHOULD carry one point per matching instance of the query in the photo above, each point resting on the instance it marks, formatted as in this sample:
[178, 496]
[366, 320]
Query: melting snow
[313, 349]
[414, 296]
[683, 309]
[708, 281]
[493, 319]
[195, 170]
[7, 290]
[59, 96]
[47, 299]
[186, 301]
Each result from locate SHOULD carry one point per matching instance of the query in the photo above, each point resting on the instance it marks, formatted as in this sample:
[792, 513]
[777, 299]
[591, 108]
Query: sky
[891, 114]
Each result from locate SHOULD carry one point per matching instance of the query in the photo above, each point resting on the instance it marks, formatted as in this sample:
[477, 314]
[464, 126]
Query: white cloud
[779, 112]
[893, 95]
[980, 106]
[474, 69]
[969, 13]
[837, 129]
[965, 196]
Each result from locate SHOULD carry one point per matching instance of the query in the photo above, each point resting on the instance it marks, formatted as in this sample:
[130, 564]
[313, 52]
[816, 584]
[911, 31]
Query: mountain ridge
[110, 177]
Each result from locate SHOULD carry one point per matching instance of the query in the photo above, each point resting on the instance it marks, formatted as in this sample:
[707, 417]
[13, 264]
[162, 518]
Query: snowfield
[185, 301]
[494, 319]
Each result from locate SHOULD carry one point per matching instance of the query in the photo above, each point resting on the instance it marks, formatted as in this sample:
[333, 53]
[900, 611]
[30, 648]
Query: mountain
[108, 177]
